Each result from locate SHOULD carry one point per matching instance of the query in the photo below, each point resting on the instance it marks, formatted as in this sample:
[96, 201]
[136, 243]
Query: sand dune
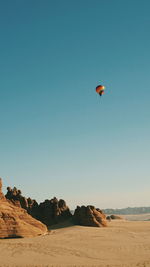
[122, 243]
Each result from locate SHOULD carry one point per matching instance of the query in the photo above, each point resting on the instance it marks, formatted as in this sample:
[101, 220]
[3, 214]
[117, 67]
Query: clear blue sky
[57, 136]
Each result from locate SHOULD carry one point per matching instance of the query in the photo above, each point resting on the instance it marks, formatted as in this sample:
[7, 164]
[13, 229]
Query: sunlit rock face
[89, 216]
[16, 222]
[1, 193]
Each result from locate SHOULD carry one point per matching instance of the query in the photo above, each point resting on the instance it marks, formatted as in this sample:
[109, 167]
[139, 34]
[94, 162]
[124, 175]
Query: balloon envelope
[100, 89]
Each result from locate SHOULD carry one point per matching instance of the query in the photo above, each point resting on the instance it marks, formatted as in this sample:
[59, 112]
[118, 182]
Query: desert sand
[137, 217]
[122, 243]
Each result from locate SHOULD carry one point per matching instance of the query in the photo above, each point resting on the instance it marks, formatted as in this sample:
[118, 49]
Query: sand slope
[122, 243]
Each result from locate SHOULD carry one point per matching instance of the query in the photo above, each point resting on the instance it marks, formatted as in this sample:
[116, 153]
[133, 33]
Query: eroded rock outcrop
[1, 193]
[49, 212]
[15, 195]
[89, 216]
[52, 211]
[114, 217]
[16, 222]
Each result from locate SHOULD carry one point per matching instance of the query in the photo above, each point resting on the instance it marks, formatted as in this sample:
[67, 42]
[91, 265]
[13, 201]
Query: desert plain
[124, 243]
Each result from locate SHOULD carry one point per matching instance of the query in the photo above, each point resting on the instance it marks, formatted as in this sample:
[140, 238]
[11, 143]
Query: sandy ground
[122, 243]
[137, 217]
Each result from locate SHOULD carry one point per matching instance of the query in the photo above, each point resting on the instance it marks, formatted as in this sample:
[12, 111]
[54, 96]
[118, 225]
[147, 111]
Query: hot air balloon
[100, 89]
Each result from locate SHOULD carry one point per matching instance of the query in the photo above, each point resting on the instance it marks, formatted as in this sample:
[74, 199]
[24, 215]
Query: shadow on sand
[12, 237]
[65, 224]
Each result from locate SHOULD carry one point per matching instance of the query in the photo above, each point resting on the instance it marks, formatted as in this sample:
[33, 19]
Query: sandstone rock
[114, 217]
[103, 215]
[49, 212]
[89, 216]
[108, 218]
[1, 193]
[52, 211]
[16, 222]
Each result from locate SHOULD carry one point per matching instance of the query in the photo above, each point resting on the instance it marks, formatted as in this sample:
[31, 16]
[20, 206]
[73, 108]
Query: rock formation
[114, 217]
[16, 197]
[89, 216]
[49, 212]
[16, 222]
[1, 193]
[52, 211]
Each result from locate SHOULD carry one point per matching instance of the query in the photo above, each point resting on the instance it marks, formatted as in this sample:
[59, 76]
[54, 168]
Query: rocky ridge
[49, 212]
[16, 222]
[54, 211]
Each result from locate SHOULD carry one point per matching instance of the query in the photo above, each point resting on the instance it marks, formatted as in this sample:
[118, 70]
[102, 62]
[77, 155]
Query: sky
[57, 136]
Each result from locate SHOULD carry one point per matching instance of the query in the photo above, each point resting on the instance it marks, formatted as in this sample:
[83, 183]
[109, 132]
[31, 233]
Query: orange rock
[16, 222]
[89, 216]
[1, 194]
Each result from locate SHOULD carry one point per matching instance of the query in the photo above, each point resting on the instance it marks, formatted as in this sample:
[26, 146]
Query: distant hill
[129, 210]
